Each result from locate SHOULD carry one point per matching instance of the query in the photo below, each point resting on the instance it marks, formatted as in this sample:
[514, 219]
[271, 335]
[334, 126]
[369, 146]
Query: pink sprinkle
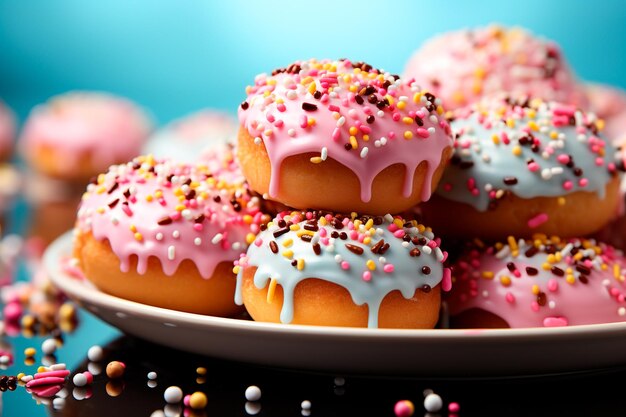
[279, 123]
[388, 268]
[175, 216]
[13, 311]
[422, 133]
[568, 185]
[46, 392]
[445, 256]
[325, 241]
[505, 138]
[403, 408]
[446, 281]
[258, 242]
[447, 187]
[533, 167]
[365, 129]
[583, 182]
[399, 233]
[304, 121]
[517, 273]
[555, 322]
[392, 228]
[127, 210]
[534, 306]
[553, 285]
[454, 407]
[332, 107]
[186, 400]
[396, 117]
[323, 232]
[538, 220]
[336, 134]
[367, 276]
[563, 158]
[564, 111]
[432, 244]
[51, 380]
[345, 265]
[509, 297]
[599, 161]
[61, 374]
[198, 227]
[354, 235]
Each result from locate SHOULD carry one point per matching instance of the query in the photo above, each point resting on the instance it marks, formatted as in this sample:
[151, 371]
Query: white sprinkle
[382, 260]
[433, 403]
[292, 95]
[505, 251]
[152, 375]
[217, 238]
[377, 143]
[187, 214]
[114, 220]
[159, 236]
[291, 132]
[173, 395]
[95, 353]
[338, 258]
[80, 380]
[236, 246]
[546, 174]
[380, 114]
[341, 121]
[253, 393]
[552, 304]
[175, 234]
[27, 378]
[556, 170]
[340, 381]
[49, 346]
[324, 153]
[58, 367]
[58, 403]
[306, 405]
[433, 119]
[364, 151]
[388, 218]
[485, 294]
[431, 130]
[171, 253]
[383, 141]
[197, 241]
[405, 244]
[621, 311]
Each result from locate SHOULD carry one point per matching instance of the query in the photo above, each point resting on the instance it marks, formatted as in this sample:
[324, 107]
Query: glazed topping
[542, 282]
[368, 256]
[109, 128]
[364, 118]
[527, 148]
[463, 66]
[186, 139]
[171, 211]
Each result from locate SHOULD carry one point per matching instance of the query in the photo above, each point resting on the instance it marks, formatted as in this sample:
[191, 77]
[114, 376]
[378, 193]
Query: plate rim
[62, 245]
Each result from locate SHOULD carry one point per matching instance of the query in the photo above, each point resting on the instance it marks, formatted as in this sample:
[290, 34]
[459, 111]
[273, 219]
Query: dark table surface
[596, 393]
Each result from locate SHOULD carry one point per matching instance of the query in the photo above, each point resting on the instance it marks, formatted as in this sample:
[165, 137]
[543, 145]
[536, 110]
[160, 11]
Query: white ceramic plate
[433, 353]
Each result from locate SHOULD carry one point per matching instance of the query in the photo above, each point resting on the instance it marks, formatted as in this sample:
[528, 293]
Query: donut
[341, 136]
[609, 103]
[7, 131]
[166, 234]
[540, 282]
[461, 67]
[75, 136]
[522, 167]
[334, 270]
[187, 138]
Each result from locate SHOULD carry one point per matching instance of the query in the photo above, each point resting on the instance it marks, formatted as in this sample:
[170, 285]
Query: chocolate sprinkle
[354, 249]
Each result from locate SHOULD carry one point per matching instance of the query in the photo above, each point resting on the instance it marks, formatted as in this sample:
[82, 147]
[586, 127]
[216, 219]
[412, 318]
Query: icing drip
[531, 149]
[542, 282]
[369, 257]
[171, 211]
[364, 118]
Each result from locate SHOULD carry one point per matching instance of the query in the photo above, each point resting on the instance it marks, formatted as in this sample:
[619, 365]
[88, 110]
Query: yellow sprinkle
[42, 369]
[551, 258]
[512, 243]
[322, 221]
[533, 126]
[306, 80]
[369, 223]
[247, 219]
[353, 130]
[100, 210]
[440, 110]
[288, 254]
[180, 207]
[367, 240]
[517, 151]
[390, 99]
[312, 88]
[487, 274]
[407, 120]
[347, 78]
[30, 351]
[353, 142]
[270, 290]
[138, 236]
[401, 105]
[288, 242]
[305, 232]
[316, 159]
[510, 123]
[236, 269]
[149, 198]
[178, 191]
[515, 253]
[370, 265]
[294, 227]
[604, 267]
[133, 228]
[477, 87]
[20, 375]
[366, 137]
[353, 88]
[311, 121]
[158, 193]
[546, 266]
[408, 134]
[101, 190]
[505, 280]
[554, 134]
[535, 289]
[561, 201]
[496, 139]
[479, 72]
[570, 279]
[578, 256]
[616, 271]
[250, 238]
[398, 222]
[417, 97]
[300, 264]
[458, 97]
[600, 123]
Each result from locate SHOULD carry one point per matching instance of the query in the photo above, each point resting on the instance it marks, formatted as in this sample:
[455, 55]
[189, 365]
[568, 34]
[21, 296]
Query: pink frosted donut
[461, 67]
[609, 103]
[77, 135]
[538, 283]
[7, 131]
[187, 138]
[166, 234]
[341, 136]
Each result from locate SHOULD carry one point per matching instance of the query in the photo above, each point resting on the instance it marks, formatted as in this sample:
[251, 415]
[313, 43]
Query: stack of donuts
[320, 212]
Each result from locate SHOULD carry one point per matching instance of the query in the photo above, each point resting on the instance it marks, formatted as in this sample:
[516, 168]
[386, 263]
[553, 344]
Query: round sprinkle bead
[49, 346]
[152, 375]
[306, 405]
[173, 395]
[253, 393]
[95, 353]
[197, 400]
[404, 408]
[433, 403]
[115, 369]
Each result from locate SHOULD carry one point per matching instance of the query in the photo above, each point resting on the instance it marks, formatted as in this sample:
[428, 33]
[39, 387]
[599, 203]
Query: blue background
[174, 57]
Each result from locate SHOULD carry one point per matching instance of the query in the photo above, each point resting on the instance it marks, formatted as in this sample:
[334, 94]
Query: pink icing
[486, 279]
[316, 106]
[111, 129]
[7, 128]
[462, 66]
[171, 211]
